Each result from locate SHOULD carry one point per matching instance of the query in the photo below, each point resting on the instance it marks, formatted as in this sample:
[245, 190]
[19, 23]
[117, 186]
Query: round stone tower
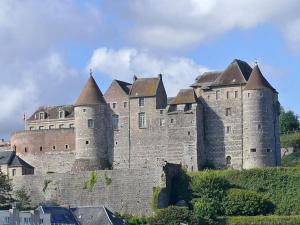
[91, 142]
[260, 123]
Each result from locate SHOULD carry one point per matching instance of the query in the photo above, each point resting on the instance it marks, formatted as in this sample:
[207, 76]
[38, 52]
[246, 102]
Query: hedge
[263, 220]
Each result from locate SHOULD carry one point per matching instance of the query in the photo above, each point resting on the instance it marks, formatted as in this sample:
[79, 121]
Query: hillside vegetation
[279, 189]
[290, 140]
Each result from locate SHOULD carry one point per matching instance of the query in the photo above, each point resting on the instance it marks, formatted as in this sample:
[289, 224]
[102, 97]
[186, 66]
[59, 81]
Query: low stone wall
[125, 190]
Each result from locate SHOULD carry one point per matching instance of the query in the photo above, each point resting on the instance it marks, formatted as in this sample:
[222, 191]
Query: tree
[5, 191]
[22, 198]
[288, 121]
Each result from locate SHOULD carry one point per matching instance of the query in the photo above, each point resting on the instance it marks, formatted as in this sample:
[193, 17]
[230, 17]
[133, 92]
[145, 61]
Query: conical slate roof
[257, 81]
[91, 94]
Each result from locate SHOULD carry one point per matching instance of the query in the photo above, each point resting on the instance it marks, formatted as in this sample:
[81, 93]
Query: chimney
[160, 76]
[134, 78]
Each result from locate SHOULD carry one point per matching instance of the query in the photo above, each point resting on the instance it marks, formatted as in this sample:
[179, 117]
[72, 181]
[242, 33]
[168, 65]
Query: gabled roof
[257, 81]
[6, 157]
[60, 215]
[94, 215]
[18, 162]
[184, 96]
[52, 112]
[144, 87]
[91, 94]
[124, 85]
[238, 72]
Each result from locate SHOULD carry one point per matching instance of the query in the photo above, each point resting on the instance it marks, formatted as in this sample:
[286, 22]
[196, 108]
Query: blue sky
[49, 46]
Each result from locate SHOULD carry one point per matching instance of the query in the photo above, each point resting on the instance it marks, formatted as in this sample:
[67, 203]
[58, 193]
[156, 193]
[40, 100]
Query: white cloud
[169, 24]
[33, 69]
[123, 63]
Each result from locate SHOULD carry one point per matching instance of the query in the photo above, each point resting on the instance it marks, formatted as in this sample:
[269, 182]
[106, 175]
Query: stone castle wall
[124, 190]
[223, 130]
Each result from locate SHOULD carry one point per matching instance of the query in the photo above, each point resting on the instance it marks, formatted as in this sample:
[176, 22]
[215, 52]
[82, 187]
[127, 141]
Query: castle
[226, 119]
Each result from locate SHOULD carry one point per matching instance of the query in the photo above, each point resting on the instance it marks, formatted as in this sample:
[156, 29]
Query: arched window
[228, 161]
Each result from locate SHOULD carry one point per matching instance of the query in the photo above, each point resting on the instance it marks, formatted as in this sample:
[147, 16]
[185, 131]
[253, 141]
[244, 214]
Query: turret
[260, 123]
[90, 129]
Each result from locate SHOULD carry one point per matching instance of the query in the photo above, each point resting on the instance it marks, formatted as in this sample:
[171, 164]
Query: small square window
[188, 107]
[189, 133]
[14, 172]
[259, 126]
[248, 95]
[253, 150]
[31, 128]
[161, 111]
[41, 128]
[42, 115]
[269, 150]
[172, 121]
[25, 149]
[84, 110]
[71, 125]
[66, 146]
[41, 148]
[114, 105]
[125, 105]
[142, 101]
[53, 147]
[51, 127]
[86, 142]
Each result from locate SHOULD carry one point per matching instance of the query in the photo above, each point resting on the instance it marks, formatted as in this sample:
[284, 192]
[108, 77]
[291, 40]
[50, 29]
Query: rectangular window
[228, 111]
[227, 94]
[161, 111]
[236, 94]
[172, 121]
[248, 95]
[259, 126]
[51, 127]
[91, 123]
[61, 126]
[269, 150]
[115, 122]
[172, 108]
[142, 101]
[114, 105]
[125, 105]
[31, 128]
[42, 115]
[253, 150]
[14, 172]
[228, 129]
[71, 125]
[66, 146]
[142, 120]
[217, 95]
[188, 107]
[41, 128]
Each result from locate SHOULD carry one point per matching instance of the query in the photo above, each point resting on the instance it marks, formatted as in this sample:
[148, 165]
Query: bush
[174, 215]
[133, 220]
[292, 159]
[204, 209]
[240, 202]
[264, 220]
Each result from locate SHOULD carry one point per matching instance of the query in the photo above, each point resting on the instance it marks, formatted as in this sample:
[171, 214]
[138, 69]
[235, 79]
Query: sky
[48, 47]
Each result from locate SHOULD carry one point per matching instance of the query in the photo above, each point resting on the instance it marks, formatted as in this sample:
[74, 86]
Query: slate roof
[52, 112]
[90, 215]
[124, 85]
[18, 162]
[144, 87]
[60, 215]
[184, 96]
[91, 94]
[238, 72]
[257, 81]
[207, 77]
[6, 157]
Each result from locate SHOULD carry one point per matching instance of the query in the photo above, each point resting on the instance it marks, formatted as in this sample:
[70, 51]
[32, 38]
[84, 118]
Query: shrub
[174, 215]
[263, 220]
[205, 209]
[240, 202]
[133, 220]
[290, 140]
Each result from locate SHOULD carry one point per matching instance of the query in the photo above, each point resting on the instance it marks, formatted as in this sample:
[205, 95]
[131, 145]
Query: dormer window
[42, 115]
[61, 114]
[188, 107]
